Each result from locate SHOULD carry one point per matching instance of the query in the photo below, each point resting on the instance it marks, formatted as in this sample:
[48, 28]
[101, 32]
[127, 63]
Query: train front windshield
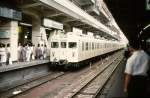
[54, 44]
[72, 45]
[63, 45]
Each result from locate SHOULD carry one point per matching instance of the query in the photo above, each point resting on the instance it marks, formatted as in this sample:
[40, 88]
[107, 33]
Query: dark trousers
[137, 87]
[7, 59]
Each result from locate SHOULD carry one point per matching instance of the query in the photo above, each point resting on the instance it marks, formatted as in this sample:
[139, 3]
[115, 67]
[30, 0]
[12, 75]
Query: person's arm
[126, 81]
[128, 72]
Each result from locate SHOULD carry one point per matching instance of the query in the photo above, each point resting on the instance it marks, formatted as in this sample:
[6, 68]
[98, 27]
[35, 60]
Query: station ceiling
[131, 16]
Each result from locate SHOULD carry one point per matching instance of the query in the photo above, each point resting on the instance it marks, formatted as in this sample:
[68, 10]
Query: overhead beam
[56, 14]
[52, 14]
[83, 26]
[76, 23]
[68, 20]
[30, 5]
[85, 2]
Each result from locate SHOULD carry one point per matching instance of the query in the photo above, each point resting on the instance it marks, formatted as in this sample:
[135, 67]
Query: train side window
[92, 45]
[54, 44]
[72, 45]
[82, 46]
[100, 45]
[89, 46]
[86, 45]
[63, 44]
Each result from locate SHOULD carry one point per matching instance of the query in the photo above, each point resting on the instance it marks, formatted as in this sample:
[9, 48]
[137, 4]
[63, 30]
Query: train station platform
[21, 72]
[19, 65]
[114, 87]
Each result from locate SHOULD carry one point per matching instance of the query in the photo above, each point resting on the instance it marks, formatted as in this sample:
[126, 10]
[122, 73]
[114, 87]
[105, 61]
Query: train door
[63, 50]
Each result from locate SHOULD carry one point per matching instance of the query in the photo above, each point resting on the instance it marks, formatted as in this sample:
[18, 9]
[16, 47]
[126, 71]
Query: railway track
[90, 87]
[30, 84]
[20, 89]
[94, 86]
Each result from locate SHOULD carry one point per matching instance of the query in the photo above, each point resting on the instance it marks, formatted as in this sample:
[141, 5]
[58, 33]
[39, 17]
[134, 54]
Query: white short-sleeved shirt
[138, 63]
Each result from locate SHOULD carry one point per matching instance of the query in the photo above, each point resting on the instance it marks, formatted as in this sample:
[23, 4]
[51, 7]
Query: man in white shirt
[136, 72]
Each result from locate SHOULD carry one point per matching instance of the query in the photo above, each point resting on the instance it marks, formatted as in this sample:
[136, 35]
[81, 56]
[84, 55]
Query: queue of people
[29, 52]
[26, 53]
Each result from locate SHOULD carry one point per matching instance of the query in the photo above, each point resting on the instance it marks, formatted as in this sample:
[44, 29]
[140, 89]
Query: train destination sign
[10, 13]
[4, 34]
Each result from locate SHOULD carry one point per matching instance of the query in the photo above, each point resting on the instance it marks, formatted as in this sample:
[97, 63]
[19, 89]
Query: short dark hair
[135, 44]
[8, 45]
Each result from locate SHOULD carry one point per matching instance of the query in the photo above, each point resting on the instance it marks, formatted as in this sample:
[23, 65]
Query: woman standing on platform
[19, 51]
[8, 55]
[28, 52]
[3, 54]
[23, 53]
[38, 51]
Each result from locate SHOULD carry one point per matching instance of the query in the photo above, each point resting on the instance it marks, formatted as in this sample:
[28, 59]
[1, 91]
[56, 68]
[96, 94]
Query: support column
[36, 35]
[13, 39]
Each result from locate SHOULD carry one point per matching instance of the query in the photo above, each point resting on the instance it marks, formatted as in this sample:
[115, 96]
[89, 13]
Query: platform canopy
[68, 13]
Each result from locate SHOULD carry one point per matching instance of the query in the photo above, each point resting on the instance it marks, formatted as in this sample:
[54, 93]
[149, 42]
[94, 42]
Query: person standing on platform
[19, 51]
[8, 55]
[38, 51]
[3, 54]
[28, 52]
[0, 55]
[136, 72]
[32, 52]
[42, 52]
[45, 52]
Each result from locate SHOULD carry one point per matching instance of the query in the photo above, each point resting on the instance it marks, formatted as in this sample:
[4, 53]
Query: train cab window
[63, 44]
[72, 45]
[54, 44]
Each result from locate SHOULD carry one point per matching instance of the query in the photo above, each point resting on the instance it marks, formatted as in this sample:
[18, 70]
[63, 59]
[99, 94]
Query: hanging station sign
[10, 13]
[4, 34]
[52, 24]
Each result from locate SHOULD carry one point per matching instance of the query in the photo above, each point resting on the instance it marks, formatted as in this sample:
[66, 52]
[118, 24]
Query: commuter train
[73, 50]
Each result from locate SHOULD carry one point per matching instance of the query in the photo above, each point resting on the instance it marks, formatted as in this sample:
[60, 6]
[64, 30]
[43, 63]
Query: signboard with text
[10, 13]
[4, 34]
[52, 24]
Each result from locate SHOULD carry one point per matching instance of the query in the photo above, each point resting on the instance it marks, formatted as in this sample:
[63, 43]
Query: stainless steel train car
[73, 50]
